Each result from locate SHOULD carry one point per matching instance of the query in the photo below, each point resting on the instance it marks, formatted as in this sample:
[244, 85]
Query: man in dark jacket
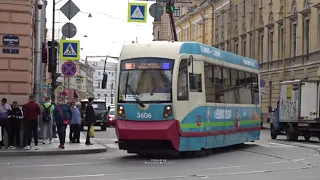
[90, 119]
[31, 113]
[62, 115]
[15, 122]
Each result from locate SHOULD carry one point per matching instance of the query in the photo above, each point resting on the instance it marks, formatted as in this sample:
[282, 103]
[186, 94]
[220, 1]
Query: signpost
[10, 40]
[156, 11]
[69, 69]
[70, 50]
[69, 30]
[137, 12]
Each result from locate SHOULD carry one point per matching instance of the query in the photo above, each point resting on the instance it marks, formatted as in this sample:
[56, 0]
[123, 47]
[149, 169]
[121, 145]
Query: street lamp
[90, 15]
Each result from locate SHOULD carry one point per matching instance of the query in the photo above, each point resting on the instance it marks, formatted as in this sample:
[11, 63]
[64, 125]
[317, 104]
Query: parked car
[101, 111]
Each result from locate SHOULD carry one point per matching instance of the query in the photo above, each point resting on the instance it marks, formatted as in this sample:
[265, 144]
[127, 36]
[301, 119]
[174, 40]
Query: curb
[55, 152]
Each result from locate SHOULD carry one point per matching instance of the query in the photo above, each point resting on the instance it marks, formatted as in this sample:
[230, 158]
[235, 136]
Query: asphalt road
[264, 160]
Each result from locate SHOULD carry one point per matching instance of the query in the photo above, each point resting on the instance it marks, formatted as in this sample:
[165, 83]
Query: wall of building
[252, 28]
[16, 72]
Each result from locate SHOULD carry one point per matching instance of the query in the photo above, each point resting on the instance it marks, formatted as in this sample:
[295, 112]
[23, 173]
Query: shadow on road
[195, 155]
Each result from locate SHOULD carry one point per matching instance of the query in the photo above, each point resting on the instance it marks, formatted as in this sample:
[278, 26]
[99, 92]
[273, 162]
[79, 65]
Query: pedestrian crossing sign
[70, 50]
[137, 12]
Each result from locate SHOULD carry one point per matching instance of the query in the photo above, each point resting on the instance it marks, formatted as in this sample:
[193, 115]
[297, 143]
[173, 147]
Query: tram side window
[218, 84]
[244, 90]
[183, 81]
[255, 89]
[195, 82]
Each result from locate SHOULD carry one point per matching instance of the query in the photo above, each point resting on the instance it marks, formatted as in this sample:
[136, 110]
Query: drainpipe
[38, 54]
[212, 21]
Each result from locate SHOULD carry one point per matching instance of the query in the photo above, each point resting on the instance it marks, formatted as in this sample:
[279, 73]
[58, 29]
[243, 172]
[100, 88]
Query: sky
[108, 28]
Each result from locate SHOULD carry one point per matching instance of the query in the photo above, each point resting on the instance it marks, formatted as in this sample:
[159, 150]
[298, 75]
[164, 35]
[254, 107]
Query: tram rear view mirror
[104, 81]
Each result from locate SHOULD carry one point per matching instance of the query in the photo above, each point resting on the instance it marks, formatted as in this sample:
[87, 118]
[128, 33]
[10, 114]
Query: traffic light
[54, 78]
[170, 7]
[52, 64]
[104, 81]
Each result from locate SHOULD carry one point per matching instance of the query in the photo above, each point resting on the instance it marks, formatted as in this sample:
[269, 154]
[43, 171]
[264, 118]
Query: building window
[270, 45]
[260, 4]
[261, 36]
[99, 85]
[244, 46]
[280, 41]
[99, 73]
[294, 39]
[236, 47]
[176, 12]
[251, 46]
[306, 35]
[217, 21]
[244, 7]
[236, 17]
[318, 28]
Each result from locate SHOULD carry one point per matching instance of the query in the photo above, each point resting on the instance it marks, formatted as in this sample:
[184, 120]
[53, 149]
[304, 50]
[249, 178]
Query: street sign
[10, 40]
[137, 12]
[69, 50]
[69, 30]
[156, 11]
[70, 9]
[69, 69]
[60, 88]
[10, 51]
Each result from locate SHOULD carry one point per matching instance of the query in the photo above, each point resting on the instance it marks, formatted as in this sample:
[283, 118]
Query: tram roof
[157, 49]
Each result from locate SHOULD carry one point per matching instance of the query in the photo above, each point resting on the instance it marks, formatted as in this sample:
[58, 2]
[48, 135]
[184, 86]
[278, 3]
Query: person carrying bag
[62, 116]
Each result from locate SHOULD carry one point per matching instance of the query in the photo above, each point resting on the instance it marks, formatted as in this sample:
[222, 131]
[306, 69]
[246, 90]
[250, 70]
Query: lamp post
[53, 73]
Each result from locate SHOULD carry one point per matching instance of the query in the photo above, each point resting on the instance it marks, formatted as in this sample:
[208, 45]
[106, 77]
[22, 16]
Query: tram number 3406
[144, 115]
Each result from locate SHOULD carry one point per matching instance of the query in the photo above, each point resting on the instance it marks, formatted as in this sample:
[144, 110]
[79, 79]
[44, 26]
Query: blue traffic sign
[70, 50]
[69, 69]
[137, 12]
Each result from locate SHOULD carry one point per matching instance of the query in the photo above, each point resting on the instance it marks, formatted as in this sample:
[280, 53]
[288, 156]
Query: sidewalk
[52, 149]
[266, 126]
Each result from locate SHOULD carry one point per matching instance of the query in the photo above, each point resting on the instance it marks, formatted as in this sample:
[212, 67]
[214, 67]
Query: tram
[185, 97]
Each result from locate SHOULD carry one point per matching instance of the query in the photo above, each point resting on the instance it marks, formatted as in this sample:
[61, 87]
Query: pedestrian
[62, 115]
[5, 114]
[47, 122]
[90, 119]
[75, 123]
[31, 113]
[15, 123]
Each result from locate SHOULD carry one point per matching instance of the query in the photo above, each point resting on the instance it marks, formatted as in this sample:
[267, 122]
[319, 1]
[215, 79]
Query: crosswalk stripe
[113, 146]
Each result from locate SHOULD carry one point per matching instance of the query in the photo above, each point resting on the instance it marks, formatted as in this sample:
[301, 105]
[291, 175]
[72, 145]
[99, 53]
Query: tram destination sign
[147, 65]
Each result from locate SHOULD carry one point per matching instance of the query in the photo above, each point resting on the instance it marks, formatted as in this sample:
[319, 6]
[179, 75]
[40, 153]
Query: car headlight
[84, 115]
[101, 115]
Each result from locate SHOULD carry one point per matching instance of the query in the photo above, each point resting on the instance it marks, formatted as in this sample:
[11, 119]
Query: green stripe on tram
[219, 124]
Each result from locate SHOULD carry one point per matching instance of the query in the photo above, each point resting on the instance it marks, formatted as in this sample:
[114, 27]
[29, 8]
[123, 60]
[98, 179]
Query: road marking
[307, 145]
[58, 165]
[270, 144]
[62, 177]
[113, 146]
[80, 176]
[105, 139]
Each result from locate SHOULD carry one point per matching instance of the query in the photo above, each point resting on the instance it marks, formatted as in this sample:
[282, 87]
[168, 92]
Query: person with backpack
[47, 122]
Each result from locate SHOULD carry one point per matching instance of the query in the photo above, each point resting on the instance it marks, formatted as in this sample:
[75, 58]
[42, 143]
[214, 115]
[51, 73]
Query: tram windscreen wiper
[132, 91]
[135, 95]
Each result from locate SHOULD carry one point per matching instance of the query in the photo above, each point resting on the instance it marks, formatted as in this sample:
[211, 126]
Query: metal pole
[38, 58]
[53, 73]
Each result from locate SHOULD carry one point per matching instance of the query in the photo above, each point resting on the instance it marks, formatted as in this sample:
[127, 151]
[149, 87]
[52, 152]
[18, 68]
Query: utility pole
[170, 10]
[284, 40]
[53, 73]
[38, 56]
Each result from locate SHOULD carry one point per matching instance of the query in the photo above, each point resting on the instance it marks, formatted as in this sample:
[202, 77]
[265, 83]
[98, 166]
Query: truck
[298, 110]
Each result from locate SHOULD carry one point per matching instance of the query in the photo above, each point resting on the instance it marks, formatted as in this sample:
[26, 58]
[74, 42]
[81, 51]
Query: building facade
[16, 69]
[111, 70]
[162, 28]
[277, 33]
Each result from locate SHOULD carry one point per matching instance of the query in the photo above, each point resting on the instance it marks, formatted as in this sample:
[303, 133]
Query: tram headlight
[121, 111]
[167, 111]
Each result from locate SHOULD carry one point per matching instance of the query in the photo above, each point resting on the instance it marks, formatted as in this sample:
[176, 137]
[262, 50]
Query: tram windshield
[146, 80]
